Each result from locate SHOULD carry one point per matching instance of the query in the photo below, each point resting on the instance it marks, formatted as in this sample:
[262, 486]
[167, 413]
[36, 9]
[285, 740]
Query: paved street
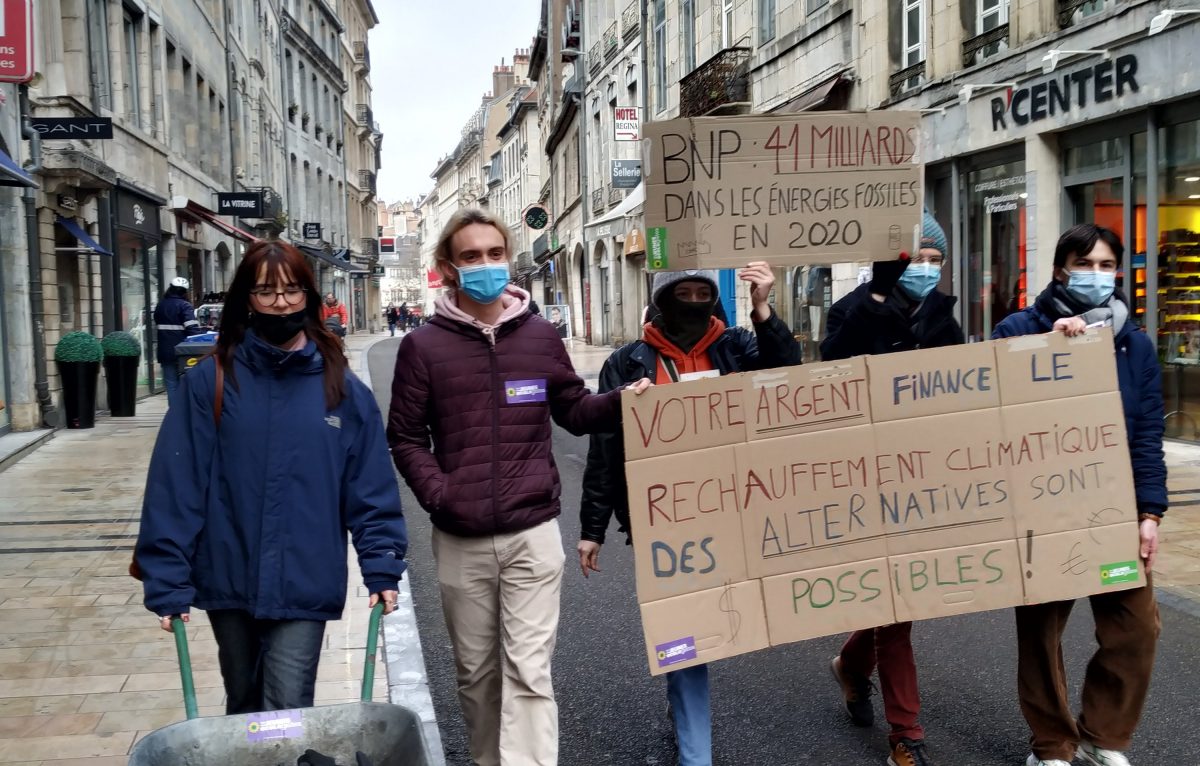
[780, 706]
[85, 671]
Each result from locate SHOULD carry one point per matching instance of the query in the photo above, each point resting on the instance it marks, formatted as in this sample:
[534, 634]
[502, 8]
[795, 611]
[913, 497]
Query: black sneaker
[909, 752]
[857, 694]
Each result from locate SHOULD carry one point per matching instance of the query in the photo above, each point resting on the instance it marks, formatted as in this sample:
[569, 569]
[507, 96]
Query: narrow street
[779, 706]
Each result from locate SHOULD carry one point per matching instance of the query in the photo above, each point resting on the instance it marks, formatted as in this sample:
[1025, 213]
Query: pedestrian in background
[898, 309]
[175, 321]
[392, 315]
[1083, 293]
[274, 453]
[684, 341]
[473, 395]
[335, 316]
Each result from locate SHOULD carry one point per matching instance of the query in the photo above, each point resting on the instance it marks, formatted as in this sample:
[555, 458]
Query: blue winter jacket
[1140, 381]
[175, 321]
[255, 516]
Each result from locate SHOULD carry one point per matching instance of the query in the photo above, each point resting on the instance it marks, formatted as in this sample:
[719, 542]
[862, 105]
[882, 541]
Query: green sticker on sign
[1122, 571]
[657, 239]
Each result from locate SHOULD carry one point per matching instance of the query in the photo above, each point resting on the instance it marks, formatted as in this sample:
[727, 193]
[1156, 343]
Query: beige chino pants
[500, 596]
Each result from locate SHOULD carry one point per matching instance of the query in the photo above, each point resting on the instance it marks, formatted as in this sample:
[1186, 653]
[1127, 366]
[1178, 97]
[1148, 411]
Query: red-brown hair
[280, 259]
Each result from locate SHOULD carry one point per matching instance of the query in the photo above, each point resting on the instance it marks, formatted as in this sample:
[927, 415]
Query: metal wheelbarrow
[390, 735]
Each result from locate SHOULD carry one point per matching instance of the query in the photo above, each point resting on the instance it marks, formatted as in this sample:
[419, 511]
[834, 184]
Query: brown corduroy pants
[1117, 679]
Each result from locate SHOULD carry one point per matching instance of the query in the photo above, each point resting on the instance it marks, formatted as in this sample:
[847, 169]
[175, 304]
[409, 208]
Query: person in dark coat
[259, 474]
[175, 321]
[473, 397]
[900, 309]
[684, 340]
[1083, 294]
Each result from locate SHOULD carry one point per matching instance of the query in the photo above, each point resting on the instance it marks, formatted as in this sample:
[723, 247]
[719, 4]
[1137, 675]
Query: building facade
[206, 98]
[1037, 115]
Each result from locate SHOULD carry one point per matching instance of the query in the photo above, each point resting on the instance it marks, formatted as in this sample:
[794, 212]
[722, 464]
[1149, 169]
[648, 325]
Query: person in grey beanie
[683, 341]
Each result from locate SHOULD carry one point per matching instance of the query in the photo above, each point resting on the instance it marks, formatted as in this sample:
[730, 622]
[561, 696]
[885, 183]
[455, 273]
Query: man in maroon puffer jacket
[483, 378]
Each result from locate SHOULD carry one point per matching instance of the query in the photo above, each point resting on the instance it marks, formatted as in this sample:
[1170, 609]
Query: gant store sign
[1107, 80]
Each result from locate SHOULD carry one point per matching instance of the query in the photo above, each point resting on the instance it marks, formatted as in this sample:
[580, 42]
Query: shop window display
[995, 261]
[1179, 276]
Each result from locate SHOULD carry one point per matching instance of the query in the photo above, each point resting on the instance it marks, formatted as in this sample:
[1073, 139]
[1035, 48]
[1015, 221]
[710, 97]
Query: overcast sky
[431, 62]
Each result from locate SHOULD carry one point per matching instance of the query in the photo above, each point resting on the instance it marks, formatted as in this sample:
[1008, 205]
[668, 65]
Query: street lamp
[1165, 17]
[968, 90]
[1051, 59]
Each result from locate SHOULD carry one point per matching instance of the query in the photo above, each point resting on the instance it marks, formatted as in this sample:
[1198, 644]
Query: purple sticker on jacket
[672, 652]
[278, 724]
[525, 391]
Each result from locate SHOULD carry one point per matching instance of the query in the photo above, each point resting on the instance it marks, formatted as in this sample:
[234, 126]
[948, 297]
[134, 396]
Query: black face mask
[278, 329]
[685, 322]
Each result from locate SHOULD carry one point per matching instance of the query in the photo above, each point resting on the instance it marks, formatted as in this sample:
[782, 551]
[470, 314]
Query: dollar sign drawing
[725, 604]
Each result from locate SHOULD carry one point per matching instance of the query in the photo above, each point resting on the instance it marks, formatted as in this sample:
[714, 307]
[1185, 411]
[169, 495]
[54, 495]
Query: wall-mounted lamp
[1163, 18]
[968, 90]
[1051, 59]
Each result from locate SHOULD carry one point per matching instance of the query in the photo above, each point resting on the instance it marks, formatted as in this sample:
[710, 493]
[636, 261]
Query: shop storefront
[137, 237]
[1109, 139]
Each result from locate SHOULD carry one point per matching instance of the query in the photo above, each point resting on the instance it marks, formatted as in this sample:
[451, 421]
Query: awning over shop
[193, 211]
[12, 174]
[625, 209]
[85, 240]
[330, 259]
[816, 97]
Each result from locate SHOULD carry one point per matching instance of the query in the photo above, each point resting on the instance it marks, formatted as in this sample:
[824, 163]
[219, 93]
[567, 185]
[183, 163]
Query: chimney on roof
[503, 80]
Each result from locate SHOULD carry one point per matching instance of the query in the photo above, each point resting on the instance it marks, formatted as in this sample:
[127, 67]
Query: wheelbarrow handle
[179, 628]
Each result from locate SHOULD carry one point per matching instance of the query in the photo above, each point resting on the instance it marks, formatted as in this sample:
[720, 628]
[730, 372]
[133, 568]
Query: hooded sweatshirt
[469, 423]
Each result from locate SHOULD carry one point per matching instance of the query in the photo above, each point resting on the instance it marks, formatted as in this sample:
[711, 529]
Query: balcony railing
[368, 246]
[366, 181]
[610, 41]
[598, 200]
[720, 85]
[980, 47]
[1068, 8]
[907, 78]
[364, 116]
[615, 195]
[595, 59]
[362, 56]
[631, 19]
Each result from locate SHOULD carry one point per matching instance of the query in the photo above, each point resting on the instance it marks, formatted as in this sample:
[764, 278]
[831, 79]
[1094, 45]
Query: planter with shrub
[121, 356]
[78, 357]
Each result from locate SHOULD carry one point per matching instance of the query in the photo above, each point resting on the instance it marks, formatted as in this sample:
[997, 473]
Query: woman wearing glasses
[276, 453]
[900, 309]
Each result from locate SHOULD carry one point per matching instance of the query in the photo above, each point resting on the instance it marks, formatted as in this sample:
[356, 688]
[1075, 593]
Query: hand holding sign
[640, 387]
[762, 280]
[1070, 326]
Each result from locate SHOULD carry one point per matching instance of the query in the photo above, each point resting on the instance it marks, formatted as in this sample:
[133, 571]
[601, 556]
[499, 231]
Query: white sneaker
[1098, 756]
[1033, 760]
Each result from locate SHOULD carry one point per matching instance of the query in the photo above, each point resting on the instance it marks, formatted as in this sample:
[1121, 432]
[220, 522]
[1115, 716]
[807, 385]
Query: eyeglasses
[267, 296]
[933, 260]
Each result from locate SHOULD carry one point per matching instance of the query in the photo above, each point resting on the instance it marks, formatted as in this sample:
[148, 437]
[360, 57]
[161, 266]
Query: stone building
[206, 97]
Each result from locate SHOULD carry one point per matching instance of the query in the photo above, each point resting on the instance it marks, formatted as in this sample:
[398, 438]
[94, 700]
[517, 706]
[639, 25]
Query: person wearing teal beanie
[900, 309]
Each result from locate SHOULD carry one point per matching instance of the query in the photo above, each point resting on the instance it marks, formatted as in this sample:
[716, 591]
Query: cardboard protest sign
[835, 496]
[816, 187]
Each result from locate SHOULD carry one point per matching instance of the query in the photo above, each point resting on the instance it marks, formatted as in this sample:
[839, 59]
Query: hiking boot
[909, 752]
[1033, 760]
[856, 691]
[1098, 756]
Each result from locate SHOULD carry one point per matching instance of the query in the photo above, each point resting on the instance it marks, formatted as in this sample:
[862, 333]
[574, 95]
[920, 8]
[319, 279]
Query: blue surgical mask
[484, 283]
[919, 279]
[1092, 288]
